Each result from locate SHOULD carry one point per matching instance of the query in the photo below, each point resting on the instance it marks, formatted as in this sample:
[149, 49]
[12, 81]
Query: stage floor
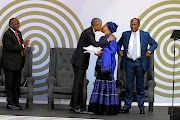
[41, 112]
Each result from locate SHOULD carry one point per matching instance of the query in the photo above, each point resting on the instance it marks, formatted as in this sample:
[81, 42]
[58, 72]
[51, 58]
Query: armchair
[27, 81]
[61, 76]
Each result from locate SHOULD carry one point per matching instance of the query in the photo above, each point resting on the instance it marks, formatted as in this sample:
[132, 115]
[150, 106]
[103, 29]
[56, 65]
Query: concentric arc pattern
[48, 24]
[160, 20]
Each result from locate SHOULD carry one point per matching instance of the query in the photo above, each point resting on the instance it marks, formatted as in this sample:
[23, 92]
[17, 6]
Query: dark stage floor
[160, 113]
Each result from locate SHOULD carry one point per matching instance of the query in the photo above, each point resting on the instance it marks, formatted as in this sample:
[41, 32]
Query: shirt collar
[13, 30]
[137, 32]
[93, 31]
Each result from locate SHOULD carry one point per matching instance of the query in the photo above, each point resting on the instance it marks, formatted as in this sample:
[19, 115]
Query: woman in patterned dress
[104, 99]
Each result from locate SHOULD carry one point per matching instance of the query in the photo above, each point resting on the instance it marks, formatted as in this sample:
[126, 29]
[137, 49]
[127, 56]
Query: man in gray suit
[80, 62]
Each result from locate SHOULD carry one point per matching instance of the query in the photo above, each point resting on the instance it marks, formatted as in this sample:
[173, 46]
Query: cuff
[23, 45]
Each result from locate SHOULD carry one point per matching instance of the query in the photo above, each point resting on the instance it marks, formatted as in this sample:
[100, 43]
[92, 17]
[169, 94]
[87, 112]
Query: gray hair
[95, 21]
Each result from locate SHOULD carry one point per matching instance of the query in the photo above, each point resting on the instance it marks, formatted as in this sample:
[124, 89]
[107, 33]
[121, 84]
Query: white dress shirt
[13, 31]
[130, 46]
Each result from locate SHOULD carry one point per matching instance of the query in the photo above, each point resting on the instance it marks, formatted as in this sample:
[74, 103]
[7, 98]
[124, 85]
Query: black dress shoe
[10, 106]
[18, 107]
[80, 111]
[70, 108]
[84, 112]
[125, 110]
[77, 110]
[142, 111]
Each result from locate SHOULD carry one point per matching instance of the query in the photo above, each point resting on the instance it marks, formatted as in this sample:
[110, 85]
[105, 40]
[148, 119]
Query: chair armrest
[51, 83]
[151, 84]
[119, 84]
[119, 87]
[31, 80]
[86, 82]
[30, 85]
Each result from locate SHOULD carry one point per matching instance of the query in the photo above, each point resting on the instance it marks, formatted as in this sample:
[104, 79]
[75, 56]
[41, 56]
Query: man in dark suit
[135, 60]
[80, 62]
[12, 62]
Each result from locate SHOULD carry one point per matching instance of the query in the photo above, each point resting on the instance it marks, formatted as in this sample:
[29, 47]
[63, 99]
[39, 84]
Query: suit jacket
[145, 40]
[81, 59]
[11, 55]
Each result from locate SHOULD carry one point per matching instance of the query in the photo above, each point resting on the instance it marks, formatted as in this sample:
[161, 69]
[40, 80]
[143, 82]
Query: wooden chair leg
[150, 106]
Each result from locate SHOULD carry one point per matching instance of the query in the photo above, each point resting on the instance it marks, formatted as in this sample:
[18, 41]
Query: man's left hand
[148, 53]
[111, 38]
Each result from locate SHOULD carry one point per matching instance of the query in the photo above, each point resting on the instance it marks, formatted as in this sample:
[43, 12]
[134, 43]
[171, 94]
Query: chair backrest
[27, 69]
[149, 75]
[60, 66]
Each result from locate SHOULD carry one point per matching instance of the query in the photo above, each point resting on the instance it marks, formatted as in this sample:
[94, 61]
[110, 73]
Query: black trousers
[77, 90]
[12, 86]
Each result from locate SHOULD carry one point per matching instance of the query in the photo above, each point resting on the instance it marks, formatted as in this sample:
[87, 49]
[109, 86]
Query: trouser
[134, 68]
[77, 90]
[12, 86]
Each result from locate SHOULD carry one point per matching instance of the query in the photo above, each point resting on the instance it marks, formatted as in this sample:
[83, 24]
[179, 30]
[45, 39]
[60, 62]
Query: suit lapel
[129, 36]
[92, 32]
[141, 40]
[14, 36]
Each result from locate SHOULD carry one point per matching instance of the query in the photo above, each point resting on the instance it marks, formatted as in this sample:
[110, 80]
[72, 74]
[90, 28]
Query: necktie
[22, 52]
[134, 52]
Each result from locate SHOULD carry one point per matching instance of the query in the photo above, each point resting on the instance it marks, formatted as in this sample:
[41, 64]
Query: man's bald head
[135, 24]
[14, 24]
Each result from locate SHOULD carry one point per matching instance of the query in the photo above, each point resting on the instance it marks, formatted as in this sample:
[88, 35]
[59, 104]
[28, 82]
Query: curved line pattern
[60, 25]
[153, 20]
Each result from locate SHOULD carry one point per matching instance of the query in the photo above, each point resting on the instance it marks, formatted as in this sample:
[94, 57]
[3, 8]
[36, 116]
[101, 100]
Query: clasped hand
[99, 53]
[26, 42]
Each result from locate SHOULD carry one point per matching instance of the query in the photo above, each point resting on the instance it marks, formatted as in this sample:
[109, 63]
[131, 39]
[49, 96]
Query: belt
[139, 59]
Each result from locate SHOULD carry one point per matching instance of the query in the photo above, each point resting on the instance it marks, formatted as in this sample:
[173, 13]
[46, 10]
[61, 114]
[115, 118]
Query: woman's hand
[111, 38]
[99, 53]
